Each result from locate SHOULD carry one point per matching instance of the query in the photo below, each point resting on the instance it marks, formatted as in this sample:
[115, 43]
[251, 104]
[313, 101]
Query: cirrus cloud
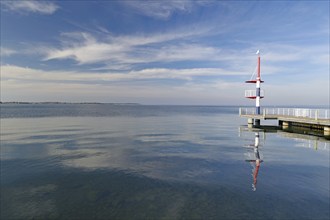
[41, 7]
[6, 52]
[160, 9]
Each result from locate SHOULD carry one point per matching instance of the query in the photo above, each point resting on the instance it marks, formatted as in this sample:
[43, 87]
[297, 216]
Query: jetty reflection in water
[307, 141]
[255, 151]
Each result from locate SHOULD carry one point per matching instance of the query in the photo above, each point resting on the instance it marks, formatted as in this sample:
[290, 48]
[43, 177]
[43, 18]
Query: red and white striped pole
[258, 81]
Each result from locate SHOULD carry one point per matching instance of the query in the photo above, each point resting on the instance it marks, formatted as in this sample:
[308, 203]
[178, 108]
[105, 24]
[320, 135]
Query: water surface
[155, 162]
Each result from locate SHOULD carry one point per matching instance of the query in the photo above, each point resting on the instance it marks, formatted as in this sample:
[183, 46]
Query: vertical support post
[250, 122]
[257, 123]
[258, 87]
[327, 131]
[285, 125]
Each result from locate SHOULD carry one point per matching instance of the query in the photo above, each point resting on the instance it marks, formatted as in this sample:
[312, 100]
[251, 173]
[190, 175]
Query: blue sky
[164, 52]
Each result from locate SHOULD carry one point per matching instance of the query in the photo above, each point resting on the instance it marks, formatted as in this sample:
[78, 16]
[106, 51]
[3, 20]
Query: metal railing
[252, 93]
[294, 112]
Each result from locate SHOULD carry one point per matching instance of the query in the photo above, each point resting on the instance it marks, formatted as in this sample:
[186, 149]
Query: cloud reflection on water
[157, 147]
[103, 158]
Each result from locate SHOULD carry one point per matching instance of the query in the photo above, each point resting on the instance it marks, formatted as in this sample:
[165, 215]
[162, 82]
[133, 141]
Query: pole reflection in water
[255, 161]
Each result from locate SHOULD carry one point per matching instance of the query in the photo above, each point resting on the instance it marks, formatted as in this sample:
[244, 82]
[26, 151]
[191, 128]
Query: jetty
[318, 119]
[314, 119]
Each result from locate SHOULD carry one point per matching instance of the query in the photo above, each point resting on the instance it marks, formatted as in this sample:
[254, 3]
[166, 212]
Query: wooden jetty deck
[309, 118]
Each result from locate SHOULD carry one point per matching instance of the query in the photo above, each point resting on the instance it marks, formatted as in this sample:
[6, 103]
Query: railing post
[264, 112]
[316, 114]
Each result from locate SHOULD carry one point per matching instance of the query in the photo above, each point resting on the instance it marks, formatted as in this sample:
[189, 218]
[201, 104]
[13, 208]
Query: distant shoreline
[84, 103]
[139, 104]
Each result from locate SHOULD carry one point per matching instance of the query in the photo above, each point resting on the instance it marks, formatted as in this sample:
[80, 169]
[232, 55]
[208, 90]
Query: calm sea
[105, 161]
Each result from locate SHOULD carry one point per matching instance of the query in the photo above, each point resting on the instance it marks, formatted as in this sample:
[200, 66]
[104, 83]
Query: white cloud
[6, 52]
[41, 7]
[186, 51]
[10, 72]
[128, 50]
[148, 94]
[159, 9]
[85, 48]
[20, 83]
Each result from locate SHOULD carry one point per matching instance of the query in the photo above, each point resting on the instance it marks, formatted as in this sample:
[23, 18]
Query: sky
[165, 52]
